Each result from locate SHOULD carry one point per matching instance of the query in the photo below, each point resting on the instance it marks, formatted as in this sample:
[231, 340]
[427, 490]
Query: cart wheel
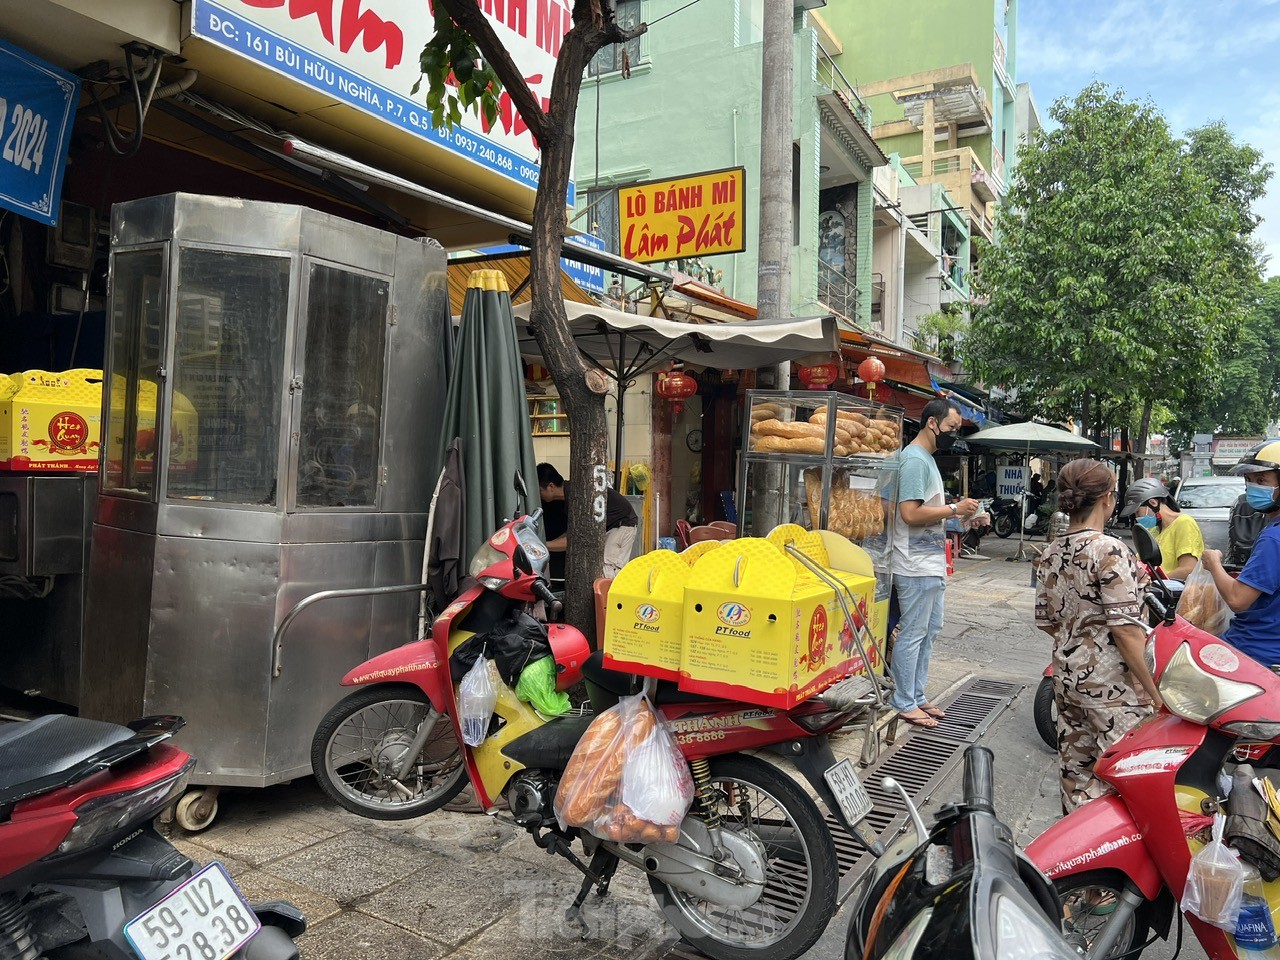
[196, 810]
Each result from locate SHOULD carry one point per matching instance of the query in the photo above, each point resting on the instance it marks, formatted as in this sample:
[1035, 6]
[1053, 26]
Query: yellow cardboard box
[50, 421]
[184, 455]
[760, 628]
[644, 624]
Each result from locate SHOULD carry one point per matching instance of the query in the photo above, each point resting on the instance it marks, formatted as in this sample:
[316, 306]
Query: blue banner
[37, 108]
[586, 276]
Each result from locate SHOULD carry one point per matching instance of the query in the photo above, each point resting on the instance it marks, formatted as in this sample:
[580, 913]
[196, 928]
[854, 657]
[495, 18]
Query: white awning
[631, 344]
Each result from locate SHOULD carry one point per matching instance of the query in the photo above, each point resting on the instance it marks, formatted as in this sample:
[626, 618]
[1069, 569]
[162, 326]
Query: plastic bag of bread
[590, 794]
[657, 787]
[1202, 604]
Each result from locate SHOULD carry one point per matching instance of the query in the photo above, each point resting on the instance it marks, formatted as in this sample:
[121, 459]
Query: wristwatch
[954, 511]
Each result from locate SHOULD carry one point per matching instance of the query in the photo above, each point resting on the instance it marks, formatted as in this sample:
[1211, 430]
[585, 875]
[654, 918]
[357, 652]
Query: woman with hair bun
[1088, 584]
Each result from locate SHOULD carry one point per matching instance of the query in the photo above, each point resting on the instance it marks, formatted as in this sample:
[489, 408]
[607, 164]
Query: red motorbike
[1120, 862]
[753, 872]
[83, 872]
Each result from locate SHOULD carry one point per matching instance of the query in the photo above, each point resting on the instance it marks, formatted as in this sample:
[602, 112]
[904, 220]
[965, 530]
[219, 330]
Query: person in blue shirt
[1255, 596]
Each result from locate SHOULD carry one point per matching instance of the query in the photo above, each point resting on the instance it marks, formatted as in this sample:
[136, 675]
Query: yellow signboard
[697, 216]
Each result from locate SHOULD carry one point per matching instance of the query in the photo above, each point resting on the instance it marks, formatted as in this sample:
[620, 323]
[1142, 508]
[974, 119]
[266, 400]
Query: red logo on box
[68, 431]
[818, 636]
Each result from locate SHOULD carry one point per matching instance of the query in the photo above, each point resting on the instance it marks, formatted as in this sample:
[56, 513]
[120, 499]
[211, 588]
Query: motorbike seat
[40, 748]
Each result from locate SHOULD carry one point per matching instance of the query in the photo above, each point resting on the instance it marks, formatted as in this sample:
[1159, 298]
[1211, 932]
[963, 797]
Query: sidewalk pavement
[466, 886]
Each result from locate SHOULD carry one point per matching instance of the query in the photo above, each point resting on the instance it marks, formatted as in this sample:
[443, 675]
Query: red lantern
[871, 370]
[820, 375]
[676, 387]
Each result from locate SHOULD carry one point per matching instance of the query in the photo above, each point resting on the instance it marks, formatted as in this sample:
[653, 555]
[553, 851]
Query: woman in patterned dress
[1088, 583]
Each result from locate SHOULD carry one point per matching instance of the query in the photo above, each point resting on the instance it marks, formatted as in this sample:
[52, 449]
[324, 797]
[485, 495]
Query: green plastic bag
[537, 686]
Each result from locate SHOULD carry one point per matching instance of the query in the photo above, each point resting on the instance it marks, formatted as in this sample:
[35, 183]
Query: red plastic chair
[725, 525]
[708, 532]
[601, 591]
[682, 533]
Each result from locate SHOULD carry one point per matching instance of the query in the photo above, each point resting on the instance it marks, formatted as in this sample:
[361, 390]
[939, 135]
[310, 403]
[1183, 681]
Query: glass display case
[827, 461]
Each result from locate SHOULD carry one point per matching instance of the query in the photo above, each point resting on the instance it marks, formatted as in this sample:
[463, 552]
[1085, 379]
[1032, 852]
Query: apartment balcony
[970, 184]
[848, 151]
[838, 292]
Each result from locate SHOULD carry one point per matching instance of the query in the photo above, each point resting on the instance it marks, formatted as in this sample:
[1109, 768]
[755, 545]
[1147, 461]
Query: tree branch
[467, 15]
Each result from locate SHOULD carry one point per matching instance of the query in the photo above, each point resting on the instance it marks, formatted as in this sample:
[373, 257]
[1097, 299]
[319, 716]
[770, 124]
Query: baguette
[773, 444]
[820, 416]
[795, 430]
[595, 768]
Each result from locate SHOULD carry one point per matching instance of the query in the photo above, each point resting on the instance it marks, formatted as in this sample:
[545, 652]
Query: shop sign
[37, 107]
[365, 53]
[696, 216]
[1231, 449]
[589, 278]
[1011, 481]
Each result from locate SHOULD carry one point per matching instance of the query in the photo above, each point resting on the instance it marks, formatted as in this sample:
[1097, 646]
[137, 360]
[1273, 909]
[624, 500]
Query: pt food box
[644, 624]
[50, 421]
[760, 628]
[183, 429]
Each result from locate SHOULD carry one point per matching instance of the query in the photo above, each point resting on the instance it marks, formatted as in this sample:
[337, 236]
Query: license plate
[204, 919]
[851, 794]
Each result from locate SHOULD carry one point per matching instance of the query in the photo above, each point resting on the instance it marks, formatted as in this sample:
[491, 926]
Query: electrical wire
[673, 12]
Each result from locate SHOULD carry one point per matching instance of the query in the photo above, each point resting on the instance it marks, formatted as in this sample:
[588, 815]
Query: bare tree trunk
[1144, 426]
[581, 388]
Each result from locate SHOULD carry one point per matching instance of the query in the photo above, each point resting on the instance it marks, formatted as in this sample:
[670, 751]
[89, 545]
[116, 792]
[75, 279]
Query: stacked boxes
[50, 421]
[756, 624]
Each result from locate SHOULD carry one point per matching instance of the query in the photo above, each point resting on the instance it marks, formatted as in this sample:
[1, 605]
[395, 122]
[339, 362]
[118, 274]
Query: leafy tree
[1113, 286]
[937, 332]
[465, 66]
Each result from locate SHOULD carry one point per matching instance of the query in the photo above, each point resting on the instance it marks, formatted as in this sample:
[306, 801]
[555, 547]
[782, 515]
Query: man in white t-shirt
[920, 561]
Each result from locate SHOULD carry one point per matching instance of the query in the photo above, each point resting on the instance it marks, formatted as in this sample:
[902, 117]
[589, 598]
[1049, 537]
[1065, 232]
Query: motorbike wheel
[1046, 713]
[1083, 919]
[799, 899]
[365, 736]
[1004, 526]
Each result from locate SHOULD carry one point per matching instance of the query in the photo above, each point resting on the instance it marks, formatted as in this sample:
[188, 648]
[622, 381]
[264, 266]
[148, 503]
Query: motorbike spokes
[1089, 908]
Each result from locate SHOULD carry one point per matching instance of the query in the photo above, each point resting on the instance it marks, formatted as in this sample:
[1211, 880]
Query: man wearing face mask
[1181, 542]
[919, 559]
[1255, 596]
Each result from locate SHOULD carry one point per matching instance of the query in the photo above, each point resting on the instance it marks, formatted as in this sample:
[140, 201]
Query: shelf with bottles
[547, 417]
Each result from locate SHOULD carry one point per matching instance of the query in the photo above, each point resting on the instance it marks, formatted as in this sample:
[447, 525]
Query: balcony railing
[829, 76]
[966, 179]
[838, 292]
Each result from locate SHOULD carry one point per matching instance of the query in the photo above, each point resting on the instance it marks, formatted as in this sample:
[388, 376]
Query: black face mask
[945, 439]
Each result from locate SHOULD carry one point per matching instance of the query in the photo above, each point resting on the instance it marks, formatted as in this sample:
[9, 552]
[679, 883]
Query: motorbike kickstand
[598, 875]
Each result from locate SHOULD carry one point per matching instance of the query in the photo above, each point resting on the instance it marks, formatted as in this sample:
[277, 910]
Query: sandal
[927, 722]
[936, 712]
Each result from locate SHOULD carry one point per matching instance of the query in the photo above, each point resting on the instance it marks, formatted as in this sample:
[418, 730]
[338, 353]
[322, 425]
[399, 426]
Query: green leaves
[458, 78]
[1118, 276]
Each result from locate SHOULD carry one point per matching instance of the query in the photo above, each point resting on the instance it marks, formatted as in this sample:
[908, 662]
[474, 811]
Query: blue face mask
[1148, 522]
[1261, 498]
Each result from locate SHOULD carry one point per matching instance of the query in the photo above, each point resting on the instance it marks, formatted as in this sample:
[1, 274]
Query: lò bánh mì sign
[695, 216]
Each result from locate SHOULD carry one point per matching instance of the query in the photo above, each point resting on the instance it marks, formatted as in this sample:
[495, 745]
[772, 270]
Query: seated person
[1255, 596]
[1181, 544]
[619, 520]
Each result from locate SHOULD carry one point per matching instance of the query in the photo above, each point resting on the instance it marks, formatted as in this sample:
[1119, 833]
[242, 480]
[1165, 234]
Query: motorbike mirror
[520, 560]
[1145, 545]
[522, 491]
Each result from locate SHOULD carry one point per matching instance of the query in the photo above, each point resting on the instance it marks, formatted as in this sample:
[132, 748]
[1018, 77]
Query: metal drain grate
[920, 760]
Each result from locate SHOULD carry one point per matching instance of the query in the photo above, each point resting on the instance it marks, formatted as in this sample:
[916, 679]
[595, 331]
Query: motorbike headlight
[904, 947]
[105, 815]
[1022, 936]
[485, 558]
[1194, 694]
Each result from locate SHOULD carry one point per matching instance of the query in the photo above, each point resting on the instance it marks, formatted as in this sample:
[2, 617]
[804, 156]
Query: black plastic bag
[515, 641]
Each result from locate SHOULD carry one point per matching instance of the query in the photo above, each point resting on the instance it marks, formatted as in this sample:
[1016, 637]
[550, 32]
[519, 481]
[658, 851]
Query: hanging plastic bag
[1202, 604]
[1215, 882]
[657, 787]
[478, 696]
[537, 685]
[594, 772]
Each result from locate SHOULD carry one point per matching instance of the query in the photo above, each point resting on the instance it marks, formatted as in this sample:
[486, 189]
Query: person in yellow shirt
[1181, 543]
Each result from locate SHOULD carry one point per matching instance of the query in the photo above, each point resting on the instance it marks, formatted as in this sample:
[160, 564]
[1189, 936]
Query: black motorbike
[1010, 513]
[962, 891]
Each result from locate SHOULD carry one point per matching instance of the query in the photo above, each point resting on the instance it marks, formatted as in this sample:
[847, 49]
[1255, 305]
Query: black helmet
[1260, 460]
[1140, 491]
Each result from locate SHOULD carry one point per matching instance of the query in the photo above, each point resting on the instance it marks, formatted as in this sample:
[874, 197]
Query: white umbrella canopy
[1028, 437]
[630, 344]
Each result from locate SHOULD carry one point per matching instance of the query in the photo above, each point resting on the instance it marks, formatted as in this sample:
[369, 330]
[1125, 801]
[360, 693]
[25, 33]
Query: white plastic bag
[478, 697]
[1215, 882]
[656, 783]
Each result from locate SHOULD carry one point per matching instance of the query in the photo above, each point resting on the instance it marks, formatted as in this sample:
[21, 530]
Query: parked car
[1208, 501]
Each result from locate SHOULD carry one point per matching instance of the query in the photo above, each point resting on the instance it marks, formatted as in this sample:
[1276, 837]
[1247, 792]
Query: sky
[1197, 60]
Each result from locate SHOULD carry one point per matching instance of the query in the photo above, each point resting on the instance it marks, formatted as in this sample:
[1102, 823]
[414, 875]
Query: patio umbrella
[486, 408]
[1025, 438]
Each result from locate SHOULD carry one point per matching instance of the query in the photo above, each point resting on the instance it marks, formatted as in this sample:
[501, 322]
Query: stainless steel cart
[273, 378]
